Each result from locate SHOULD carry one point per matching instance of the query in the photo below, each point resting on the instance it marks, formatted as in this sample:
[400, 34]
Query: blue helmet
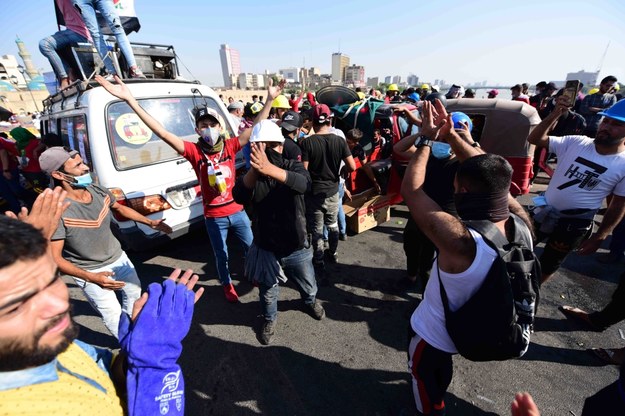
[458, 118]
[413, 97]
[617, 111]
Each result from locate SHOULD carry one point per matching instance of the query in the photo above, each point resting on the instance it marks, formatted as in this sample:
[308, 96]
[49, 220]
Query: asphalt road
[354, 361]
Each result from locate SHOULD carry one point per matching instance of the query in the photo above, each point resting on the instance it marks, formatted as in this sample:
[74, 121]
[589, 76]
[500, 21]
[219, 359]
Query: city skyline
[463, 43]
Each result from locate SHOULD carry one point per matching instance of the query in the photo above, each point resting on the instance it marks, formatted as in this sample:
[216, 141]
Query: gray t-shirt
[86, 229]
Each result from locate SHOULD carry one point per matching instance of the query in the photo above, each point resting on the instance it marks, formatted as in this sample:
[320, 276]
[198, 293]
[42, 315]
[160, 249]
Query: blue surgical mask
[82, 181]
[441, 150]
[211, 135]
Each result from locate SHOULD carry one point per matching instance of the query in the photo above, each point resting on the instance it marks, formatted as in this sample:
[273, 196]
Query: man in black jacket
[275, 188]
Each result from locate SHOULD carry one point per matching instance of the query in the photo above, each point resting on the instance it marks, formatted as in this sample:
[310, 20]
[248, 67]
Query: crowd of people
[286, 212]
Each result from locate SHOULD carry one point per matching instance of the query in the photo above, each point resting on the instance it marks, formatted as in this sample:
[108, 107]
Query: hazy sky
[503, 42]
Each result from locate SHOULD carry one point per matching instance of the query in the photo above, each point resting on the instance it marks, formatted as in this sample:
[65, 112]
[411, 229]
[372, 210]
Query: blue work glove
[153, 344]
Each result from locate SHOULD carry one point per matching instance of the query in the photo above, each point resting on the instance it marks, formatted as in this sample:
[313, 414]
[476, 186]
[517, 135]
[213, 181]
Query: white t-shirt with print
[583, 177]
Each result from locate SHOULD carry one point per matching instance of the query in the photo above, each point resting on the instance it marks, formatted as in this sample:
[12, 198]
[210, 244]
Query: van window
[133, 144]
[74, 134]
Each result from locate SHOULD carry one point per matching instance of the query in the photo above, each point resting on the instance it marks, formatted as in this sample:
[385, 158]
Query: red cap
[321, 113]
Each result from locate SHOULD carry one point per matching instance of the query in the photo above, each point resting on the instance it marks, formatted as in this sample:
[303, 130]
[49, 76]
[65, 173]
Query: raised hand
[274, 91]
[45, 212]
[120, 90]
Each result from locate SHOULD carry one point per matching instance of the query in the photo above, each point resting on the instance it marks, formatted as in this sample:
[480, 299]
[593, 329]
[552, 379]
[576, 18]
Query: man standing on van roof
[212, 158]
[587, 172]
[83, 245]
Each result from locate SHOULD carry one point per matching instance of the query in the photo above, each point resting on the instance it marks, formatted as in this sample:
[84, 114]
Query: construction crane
[603, 58]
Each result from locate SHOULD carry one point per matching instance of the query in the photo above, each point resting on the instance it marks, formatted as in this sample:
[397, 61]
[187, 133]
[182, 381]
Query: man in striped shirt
[83, 245]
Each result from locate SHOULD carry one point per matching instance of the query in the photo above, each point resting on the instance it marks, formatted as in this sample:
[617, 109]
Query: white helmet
[266, 131]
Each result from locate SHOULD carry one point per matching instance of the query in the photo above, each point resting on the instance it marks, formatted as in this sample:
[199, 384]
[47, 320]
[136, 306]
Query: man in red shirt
[212, 158]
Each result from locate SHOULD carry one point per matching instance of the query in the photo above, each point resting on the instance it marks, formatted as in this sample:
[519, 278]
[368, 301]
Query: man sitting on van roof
[213, 160]
[83, 245]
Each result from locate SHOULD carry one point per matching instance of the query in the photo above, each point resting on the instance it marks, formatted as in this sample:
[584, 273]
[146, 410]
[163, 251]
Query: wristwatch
[423, 141]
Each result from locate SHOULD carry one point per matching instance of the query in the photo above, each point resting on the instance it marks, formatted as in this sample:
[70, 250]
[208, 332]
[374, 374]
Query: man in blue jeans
[212, 158]
[87, 9]
[76, 32]
[275, 187]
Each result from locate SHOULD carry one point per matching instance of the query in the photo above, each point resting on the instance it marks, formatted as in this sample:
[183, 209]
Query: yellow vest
[69, 395]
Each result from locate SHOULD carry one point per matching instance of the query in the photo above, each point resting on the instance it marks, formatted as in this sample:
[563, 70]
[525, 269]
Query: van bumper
[132, 238]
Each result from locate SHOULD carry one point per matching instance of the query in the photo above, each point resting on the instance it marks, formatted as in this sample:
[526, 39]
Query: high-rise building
[230, 64]
[586, 78]
[355, 75]
[387, 79]
[373, 82]
[290, 74]
[339, 62]
[28, 64]
[413, 80]
[397, 79]
[251, 81]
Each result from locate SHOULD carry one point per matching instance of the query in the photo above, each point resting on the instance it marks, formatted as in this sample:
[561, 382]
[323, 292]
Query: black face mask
[473, 206]
[273, 156]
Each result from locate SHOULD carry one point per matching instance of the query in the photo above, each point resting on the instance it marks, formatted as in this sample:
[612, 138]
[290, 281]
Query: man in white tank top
[482, 193]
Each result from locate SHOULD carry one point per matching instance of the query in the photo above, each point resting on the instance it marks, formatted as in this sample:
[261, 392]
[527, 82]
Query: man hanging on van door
[212, 158]
[83, 245]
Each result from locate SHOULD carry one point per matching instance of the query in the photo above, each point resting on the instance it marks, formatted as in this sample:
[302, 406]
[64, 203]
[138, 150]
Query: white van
[140, 169]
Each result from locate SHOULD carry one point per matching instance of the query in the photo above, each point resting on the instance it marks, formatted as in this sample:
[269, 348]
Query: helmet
[459, 117]
[266, 131]
[436, 95]
[413, 97]
[593, 91]
[251, 109]
[425, 86]
[617, 111]
[392, 87]
[280, 102]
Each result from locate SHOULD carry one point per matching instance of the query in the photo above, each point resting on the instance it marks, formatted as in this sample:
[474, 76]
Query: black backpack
[495, 323]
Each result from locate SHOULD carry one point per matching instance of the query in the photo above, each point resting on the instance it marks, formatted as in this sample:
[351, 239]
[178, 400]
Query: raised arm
[122, 92]
[272, 93]
[449, 235]
[538, 136]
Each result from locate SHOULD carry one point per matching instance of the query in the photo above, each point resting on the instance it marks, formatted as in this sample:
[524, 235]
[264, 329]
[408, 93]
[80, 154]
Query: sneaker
[110, 78]
[316, 310]
[231, 294]
[267, 332]
[136, 73]
[342, 237]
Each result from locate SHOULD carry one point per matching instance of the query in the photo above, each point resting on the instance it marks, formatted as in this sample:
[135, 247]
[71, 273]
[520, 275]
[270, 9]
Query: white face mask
[211, 135]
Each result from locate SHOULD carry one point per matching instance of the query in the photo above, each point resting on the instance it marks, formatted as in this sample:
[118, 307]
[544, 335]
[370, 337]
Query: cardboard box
[366, 210]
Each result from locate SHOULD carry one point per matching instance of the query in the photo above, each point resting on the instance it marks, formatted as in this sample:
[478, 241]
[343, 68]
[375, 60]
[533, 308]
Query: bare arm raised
[122, 92]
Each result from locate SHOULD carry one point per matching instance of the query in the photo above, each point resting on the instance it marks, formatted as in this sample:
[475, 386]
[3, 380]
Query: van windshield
[133, 144]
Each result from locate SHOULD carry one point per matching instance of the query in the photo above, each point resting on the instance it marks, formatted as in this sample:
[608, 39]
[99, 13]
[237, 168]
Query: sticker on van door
[131, 129]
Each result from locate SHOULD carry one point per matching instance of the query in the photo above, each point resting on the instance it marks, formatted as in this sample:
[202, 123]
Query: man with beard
[588, 171]
[213, 159]
[44, 370]
[464, 258]
[275, 188]
[83, 245]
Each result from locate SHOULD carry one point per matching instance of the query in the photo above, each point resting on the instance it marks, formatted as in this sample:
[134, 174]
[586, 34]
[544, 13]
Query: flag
[126, 11]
